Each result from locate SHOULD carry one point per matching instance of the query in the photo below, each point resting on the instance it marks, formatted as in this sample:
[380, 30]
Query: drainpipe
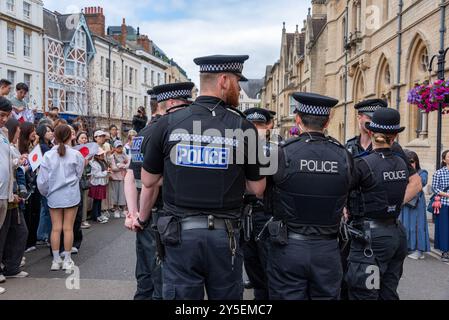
[346, 70]
[398, 95]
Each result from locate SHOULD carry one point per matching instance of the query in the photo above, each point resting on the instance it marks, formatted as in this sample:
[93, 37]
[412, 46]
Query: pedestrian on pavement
[140, 120]
[99, 180]
[20, 107]
[203, 196]
[440, 185]
[381, 179]
[28, 140]
[311, 187]
[414, 215]
[119, 165]
[5, 88]
[81, 139]
[13, 233]
[46, 137]
[5, 156]
[113, 134]
[129, 142]
[169, 98]
[100, 137]
[58, 181]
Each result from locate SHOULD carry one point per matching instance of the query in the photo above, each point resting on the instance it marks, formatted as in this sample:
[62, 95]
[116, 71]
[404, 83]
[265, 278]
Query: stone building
[250, 94]
[360, 49]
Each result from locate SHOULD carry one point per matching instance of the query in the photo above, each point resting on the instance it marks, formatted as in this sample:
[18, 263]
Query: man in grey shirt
[20, 109]
[5, 170]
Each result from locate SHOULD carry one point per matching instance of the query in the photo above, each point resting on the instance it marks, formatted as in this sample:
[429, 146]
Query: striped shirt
[440, 183]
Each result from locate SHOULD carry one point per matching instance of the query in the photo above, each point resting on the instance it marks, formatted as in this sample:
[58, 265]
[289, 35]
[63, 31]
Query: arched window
[418, 62]
[383, 81]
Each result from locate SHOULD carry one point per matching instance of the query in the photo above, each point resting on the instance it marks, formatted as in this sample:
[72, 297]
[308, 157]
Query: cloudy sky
[186, 29]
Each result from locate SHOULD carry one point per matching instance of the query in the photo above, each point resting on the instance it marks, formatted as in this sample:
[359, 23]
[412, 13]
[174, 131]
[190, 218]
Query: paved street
[107, 260]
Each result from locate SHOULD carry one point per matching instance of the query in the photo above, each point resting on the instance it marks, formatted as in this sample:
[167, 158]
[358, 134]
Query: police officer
[164, 99]
[382, 179]
[259, 212]
[204, 185]
[361, 145]
[311, 187]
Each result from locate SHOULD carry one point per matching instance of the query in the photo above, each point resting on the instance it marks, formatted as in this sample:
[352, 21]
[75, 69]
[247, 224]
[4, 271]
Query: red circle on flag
[35, 158]
[84, 151]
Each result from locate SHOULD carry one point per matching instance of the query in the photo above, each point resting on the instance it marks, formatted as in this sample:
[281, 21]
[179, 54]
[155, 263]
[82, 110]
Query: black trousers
[13, 239]
[202, 261]
[255, 257]
[305, 270]
[377, 277]
[148, 272]
[32, 216]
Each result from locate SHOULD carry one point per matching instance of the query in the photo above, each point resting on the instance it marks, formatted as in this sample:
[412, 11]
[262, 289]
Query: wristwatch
[143, 224]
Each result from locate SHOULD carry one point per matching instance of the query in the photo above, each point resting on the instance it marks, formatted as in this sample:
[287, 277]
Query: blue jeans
[44, 229]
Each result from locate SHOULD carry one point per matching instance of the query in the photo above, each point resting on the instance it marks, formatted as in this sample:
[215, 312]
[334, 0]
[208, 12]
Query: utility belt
[279, 234]
[360, 230]
[170, 228]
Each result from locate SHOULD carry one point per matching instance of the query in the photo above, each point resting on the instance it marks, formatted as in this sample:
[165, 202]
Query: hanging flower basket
[430, 97]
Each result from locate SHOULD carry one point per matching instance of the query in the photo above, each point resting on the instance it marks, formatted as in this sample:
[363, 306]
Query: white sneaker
[21, 274]
[74, 250]
[56, 265]
[85, 225]
[68, 265]
[2, 278]
[23, 262]
[102, 220]
[117, 214]
[123, 214]
[30, 249]
[416, 255]
[2, 290]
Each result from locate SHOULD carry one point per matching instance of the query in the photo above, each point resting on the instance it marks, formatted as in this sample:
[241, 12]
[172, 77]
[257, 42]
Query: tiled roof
[252, 87]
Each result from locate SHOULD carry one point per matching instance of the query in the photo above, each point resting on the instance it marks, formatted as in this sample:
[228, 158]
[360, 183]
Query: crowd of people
[50, 205]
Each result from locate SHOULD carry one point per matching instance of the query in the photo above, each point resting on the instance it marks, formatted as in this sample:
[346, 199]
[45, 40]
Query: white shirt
[58, 178]
[5, 168]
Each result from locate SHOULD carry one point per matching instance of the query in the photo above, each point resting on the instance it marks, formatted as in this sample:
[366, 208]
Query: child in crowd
[119, 165]
[99, 180]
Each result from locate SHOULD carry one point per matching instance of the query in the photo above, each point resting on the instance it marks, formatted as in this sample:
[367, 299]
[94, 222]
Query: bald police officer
[204, 185]
[311, 188]
[164, 99]
[376, 258]
[259, 211]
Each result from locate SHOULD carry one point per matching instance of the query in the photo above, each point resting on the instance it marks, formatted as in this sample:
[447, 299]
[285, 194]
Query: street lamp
[441, 56]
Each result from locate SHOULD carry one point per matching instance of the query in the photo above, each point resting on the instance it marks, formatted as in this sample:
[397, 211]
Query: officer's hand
[130, 219]
[136, 226]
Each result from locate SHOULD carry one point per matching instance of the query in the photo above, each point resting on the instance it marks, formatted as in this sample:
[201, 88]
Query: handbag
[432, 200]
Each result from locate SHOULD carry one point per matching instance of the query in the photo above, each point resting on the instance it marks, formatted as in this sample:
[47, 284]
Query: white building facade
[250, 94]
[114, 83]
[21, 49]
[153, 73]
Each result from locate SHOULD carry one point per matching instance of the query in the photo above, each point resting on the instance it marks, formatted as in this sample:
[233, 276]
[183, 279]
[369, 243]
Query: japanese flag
[35, 157]
[88, 150]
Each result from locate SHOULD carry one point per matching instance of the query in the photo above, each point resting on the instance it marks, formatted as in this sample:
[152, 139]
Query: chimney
[124, 33]
[95, 20]
[145, 43]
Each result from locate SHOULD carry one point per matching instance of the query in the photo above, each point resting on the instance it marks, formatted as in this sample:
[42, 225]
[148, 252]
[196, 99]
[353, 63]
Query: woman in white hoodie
[58, 180]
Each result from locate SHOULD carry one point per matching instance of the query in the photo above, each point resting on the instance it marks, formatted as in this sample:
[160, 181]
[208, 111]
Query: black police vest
[315, 183]
[199, 175]
[391, 174]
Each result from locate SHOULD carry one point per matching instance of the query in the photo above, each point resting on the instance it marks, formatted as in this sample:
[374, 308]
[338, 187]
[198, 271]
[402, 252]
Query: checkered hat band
[370, 108]
[314, 110]
[256, 116]
[383, 127]
[176, 94]
[234, 67]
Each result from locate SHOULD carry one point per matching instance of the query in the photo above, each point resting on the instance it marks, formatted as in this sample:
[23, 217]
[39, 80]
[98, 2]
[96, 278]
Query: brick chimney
[124, 33]
[145, 43]
[96, 20]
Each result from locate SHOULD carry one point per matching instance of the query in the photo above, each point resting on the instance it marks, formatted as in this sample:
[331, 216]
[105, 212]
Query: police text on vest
[394, 175]
[316, 166]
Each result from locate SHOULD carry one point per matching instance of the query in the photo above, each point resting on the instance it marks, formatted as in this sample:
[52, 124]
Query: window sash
[27, 45]
[27, 10]
[11, 35]
[11, 5]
